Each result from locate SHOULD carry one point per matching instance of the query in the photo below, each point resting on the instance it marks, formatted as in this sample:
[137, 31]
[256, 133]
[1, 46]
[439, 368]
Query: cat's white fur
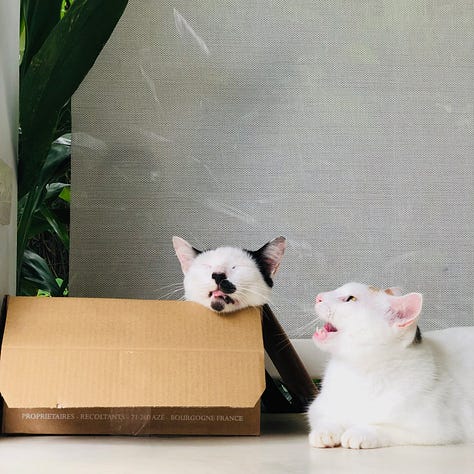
[238, 266]
[383, 388]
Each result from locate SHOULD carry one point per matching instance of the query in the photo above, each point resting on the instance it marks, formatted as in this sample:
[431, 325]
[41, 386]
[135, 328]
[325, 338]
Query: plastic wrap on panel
[346, 128]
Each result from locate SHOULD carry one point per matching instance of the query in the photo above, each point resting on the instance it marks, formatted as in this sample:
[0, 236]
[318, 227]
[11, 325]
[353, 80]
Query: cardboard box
[110, 366]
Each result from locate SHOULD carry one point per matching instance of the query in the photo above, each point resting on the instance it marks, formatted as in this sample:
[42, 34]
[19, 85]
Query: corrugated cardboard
[83, 365]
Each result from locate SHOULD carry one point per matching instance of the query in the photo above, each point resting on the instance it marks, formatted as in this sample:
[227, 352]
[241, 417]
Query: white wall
[9, 21]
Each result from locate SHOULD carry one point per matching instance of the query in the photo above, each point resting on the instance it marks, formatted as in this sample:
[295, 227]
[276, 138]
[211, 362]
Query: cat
[227, 279]
[385, 384]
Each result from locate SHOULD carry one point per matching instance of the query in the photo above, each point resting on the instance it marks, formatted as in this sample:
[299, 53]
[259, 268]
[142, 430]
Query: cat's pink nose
[319, 298]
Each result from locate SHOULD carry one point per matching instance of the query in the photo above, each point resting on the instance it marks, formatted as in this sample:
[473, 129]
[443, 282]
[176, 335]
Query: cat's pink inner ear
[274, 253]
[405, 309]
[185, 253]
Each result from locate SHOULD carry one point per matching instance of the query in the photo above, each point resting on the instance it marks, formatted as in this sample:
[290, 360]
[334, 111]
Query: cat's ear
[185, 252]
[393, 291]
[270, 255]
[405, 309]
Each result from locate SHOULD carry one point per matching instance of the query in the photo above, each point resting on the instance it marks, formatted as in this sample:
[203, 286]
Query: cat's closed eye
[350, 298]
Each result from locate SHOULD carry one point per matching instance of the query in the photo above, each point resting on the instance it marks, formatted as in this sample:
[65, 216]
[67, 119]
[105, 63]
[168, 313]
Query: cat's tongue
[218, 293]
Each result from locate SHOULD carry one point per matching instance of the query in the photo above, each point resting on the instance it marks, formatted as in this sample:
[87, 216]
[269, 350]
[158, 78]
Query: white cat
[229, 278]
[386, 385]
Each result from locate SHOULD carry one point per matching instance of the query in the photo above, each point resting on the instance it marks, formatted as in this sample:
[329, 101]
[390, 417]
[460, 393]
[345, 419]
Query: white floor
[282, 448]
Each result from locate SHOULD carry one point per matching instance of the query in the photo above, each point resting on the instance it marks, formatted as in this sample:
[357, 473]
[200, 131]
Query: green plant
[59, 42]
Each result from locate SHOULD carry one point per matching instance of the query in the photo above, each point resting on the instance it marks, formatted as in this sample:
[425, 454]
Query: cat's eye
[351, 298]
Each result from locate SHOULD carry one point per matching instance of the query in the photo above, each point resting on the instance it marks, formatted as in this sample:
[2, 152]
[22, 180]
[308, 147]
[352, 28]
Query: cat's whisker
[281, 334]
[168, 291]
[250, 289]
[170, 294]
[244, 301]
[171, 285]
[283, 345]
[176, 290]
[255, 293]
[302, 330]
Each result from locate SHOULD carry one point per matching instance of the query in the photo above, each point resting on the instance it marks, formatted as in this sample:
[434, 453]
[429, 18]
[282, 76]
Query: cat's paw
[362, 437]
[326, 436]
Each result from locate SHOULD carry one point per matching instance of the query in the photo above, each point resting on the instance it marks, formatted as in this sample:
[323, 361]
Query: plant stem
[24, 223]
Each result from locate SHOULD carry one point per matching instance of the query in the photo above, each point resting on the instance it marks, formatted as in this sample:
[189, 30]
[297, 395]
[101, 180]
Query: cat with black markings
[229, 278]
[385, 383]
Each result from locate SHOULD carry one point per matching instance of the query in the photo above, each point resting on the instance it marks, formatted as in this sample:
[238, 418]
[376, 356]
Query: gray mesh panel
[345, 126]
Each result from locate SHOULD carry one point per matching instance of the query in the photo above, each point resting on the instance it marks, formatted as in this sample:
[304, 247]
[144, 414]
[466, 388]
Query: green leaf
[36, 275]
[56, 163]
[56, 226]
[62, 286]
[57, 160]
[39, 18]
[65, 194]
[53, 75]
[29, 205]
[43, 293]
[22, 37]
[65, 6]
[57, 190]
[38, 226]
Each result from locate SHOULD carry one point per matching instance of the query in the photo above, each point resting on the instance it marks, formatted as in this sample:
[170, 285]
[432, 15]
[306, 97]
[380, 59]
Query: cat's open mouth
[219, 299]
[323, 333]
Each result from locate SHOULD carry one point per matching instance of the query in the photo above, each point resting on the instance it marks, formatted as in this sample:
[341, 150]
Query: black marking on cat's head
[218, 277]
[257, 256]
[218, 305]
[223, 283]
[227, 287]
[268, 258]
[418, 337]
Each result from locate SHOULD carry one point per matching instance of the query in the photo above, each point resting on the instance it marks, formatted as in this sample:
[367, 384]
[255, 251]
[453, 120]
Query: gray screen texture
[345, 126]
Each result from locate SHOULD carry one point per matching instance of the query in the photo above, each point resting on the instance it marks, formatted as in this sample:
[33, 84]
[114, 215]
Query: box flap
[87, 352]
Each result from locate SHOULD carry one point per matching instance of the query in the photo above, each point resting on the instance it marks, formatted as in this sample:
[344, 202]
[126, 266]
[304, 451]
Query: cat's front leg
[364, 437]
[325, 435]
